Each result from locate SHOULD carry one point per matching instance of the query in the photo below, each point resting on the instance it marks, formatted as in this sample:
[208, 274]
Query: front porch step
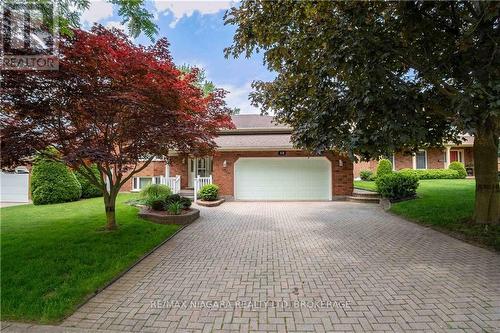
[359, 195]
[363, 199]
[364, 194]
[188, 193]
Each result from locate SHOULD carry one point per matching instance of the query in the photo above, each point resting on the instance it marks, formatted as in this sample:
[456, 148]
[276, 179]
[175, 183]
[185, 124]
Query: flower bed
[213, 203]
[186, 216]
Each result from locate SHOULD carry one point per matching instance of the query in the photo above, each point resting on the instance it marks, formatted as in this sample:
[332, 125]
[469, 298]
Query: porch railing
[174, 183]
[199, 182]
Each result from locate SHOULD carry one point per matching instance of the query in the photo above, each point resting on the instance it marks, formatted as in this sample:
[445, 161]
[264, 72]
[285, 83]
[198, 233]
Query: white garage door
[14, 187]
[290, 178]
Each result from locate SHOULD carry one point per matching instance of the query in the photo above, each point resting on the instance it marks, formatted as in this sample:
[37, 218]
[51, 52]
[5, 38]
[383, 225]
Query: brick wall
[342, 177]
[435, 158]
[360, 166]
[403, 161]
[468, 156]
[179, 165]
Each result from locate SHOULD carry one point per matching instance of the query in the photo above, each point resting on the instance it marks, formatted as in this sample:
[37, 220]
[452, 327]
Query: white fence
[199, 182]
[14, 187]
[173, 182]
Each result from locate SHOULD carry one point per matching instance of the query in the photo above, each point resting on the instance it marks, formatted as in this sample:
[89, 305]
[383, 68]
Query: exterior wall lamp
[224, 164]
[341, 163]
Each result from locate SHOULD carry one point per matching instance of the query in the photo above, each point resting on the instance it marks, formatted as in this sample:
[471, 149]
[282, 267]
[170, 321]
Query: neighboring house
[256, 161]
[15, 184]
[431, 158]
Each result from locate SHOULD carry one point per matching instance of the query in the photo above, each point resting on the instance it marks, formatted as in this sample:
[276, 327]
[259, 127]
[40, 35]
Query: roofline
[227, 149]
[254, 130]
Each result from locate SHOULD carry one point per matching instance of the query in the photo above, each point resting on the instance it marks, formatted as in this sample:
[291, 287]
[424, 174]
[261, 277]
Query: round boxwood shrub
[209, 192]
[384, 167]
[53, 182]
[459, 167]
[397, 186]
[365, 175]
[88, 189]
[156, 190]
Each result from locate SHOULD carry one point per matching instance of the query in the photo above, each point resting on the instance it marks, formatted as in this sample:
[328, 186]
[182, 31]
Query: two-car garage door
[288, 178]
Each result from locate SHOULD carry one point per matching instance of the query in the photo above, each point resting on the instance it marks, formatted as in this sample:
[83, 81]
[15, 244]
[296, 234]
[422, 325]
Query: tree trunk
[487, 207]
[109, 204]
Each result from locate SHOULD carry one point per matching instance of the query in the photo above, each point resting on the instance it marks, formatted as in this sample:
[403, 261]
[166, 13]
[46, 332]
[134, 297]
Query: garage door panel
[282, 179]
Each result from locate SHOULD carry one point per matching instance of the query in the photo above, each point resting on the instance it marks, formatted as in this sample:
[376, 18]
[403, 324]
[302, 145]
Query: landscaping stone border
[162, 218]
[210, 203]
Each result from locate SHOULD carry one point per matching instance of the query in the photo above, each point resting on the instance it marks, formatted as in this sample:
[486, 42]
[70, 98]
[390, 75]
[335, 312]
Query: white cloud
[98, 10]
[116, 24]
[186, 8]
[238, 96]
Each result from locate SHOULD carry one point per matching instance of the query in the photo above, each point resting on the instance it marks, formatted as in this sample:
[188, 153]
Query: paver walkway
[268, 266]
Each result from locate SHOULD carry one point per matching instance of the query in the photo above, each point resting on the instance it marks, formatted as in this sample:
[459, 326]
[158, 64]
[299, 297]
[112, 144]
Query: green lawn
[54, 256]
[365, 185]
[447, 205]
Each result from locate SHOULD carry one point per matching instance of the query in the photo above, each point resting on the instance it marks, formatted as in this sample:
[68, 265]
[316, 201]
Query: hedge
[431, 173]
[89, 190]
[397, 186]
[53, 182]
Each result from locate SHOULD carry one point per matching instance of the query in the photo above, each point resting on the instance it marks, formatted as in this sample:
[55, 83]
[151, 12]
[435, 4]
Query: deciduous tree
[112, 104]
[375, 77]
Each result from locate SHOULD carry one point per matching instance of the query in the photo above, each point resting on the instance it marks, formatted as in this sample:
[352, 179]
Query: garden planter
[162, 217]
[210, 203]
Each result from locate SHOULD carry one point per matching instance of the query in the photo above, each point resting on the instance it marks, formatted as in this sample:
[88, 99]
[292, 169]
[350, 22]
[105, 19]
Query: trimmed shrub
[53, 182]
[458, 167]
[397, 186]
[431, 173]
[155, 202]
[172, 198]
[186, 202]
[175, 208]
[156, 190]
[384, 167]
[365, 175]
[88, 189]
[209, 192]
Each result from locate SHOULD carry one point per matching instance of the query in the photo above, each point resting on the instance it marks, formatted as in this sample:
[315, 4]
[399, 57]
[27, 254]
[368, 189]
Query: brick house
[256, 161]
[431, 158]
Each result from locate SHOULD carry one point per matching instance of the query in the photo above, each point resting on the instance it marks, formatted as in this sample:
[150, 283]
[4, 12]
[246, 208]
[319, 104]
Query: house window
[141, 182]
[421, 160]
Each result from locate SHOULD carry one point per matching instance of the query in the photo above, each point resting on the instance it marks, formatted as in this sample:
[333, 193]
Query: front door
[456, 156]
[199, 167]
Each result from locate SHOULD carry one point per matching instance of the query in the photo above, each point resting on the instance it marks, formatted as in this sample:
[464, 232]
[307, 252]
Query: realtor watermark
[29, 38]
[250, 305]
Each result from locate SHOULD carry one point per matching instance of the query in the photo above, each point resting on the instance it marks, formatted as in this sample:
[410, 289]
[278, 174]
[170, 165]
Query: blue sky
[198, 37]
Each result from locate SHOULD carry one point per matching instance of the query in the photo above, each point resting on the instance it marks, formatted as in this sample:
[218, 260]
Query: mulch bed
[187, 216]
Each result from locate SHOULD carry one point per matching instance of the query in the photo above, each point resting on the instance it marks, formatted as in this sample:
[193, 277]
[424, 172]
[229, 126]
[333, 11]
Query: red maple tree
[111, 103]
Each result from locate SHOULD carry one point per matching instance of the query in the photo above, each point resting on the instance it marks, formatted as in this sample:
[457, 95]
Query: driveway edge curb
[121, 274]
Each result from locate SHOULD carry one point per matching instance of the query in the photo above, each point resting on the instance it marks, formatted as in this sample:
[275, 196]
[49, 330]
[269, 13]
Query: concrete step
[366, 195]
[363, 193]
[188, 193]
[364, 199]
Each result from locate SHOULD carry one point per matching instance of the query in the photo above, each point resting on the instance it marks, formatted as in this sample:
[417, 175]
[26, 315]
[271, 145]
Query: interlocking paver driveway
[373, 272]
